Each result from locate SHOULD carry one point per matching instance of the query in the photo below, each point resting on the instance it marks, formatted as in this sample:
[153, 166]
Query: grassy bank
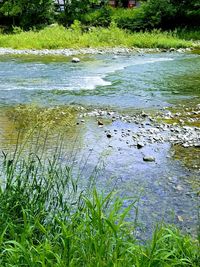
[47, 220]
[59, 37]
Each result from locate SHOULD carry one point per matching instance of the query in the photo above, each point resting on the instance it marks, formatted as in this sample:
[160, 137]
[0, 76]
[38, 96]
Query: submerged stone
[140, 145]
[149, 158]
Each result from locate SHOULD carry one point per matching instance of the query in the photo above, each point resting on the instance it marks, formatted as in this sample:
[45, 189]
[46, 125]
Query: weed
[47, 220]
[59, 37]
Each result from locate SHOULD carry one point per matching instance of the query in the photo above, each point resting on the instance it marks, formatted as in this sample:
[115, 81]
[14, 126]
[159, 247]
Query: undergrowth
[47, 220]
[59, 37]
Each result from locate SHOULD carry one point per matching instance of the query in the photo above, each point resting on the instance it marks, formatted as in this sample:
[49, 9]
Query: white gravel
[73, 52]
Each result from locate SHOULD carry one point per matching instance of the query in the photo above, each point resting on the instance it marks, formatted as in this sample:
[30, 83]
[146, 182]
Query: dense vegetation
[47, 220]
[55, 37]
[165, 14]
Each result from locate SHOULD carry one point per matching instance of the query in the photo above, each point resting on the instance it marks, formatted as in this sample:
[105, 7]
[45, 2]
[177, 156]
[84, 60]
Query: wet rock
[140, 145]
[197, 145]
[180, 50]
[100, 123]
[186, 145]
[179, 188]
[149, 158]
[75, 60]
[108, 135]
[180, 218]
[144, 115]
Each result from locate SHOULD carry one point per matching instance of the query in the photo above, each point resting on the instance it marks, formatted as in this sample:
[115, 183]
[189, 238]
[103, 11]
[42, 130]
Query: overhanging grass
[59, 37]
[46, 220]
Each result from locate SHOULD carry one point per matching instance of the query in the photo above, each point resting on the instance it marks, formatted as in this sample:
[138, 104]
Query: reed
[46, 219]
[59, 37]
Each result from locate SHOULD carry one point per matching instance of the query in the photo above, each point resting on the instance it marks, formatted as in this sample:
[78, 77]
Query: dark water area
[168, 187]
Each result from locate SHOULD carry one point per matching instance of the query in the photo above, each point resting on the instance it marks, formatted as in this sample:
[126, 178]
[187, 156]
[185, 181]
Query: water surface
[126, 83]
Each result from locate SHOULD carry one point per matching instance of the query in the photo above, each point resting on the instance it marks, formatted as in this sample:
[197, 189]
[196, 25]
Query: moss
[184, 115]
[190, 157]
[33, 116]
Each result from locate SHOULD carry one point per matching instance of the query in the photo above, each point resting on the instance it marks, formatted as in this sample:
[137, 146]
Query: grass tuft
[59, 37]
[47, 220]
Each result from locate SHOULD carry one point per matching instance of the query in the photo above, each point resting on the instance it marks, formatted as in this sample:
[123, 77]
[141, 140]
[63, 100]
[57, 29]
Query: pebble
[180, 218]
[100, 123]
[186, 136]
[140, 145]
[83, 51]
[75, 60]
[149, 158]
[108, 135]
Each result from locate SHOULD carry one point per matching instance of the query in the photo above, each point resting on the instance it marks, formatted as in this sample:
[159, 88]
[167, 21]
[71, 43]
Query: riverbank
[85, 51]
[58, 37]
[61, 219]
[54, 222]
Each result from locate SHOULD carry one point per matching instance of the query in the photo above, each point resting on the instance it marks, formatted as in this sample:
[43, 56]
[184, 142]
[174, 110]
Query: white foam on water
[91, 82]
[83, 82]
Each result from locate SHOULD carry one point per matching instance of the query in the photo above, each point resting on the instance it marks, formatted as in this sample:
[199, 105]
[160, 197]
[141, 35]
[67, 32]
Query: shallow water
[126, 83]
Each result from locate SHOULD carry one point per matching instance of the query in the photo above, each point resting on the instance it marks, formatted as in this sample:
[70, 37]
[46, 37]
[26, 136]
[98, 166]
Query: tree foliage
[172, 13]
[74, 9]
[164, 14]
[26, 14]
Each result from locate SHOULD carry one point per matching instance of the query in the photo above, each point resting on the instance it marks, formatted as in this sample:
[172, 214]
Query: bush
[100, 17]
[27, 14]
[160, 14]
[131, 19]
[152, 14]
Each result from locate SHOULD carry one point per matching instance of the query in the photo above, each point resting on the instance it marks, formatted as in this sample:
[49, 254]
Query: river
[115, 96]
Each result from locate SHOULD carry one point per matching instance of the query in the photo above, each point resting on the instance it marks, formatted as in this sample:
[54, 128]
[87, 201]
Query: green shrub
[160, 14]
[28, 14]
[131, 19]
[189, 34]
[100, 17]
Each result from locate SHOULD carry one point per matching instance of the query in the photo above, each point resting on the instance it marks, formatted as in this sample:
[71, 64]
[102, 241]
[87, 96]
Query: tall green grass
[47, 220]
[60, 37]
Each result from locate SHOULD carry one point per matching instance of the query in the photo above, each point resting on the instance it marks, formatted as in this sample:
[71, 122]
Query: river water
[125, 84]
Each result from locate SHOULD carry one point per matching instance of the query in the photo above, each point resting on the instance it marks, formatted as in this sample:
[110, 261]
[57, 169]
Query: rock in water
[100, 123]
[109, 135]
[140, 145]
[75, 60]
[149, 158]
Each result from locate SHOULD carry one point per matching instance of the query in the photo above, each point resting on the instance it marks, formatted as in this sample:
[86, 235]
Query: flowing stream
[125, 84]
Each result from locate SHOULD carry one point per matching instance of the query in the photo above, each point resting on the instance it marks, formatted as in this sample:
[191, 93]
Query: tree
[26, 14]
[169, 14]
[74, 9]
